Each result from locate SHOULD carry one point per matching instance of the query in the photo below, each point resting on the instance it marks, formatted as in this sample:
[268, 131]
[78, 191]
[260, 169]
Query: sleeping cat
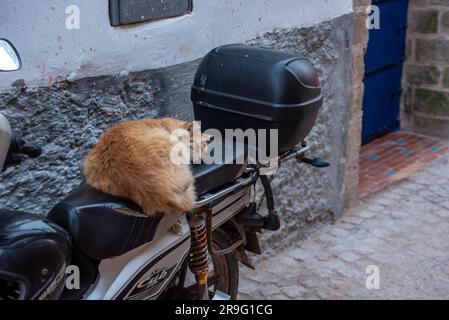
[132, 160]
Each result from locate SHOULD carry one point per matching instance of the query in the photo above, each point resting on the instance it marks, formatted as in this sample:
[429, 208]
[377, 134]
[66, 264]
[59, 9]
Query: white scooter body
[144, 273]
[5, 139]
[9, 61]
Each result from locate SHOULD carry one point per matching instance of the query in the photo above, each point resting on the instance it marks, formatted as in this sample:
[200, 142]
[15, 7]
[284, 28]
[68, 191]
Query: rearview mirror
[9, 58]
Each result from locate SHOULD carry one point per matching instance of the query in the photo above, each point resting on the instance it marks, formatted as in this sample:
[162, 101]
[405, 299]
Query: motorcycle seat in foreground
[101, 225]
[22, 235]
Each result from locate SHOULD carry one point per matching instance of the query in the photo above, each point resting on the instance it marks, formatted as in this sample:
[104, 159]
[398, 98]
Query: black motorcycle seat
[234, 159]
[17, 227]
[103, 226]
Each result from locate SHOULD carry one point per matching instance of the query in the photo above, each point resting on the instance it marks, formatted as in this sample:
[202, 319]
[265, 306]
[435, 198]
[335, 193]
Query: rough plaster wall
[51, 51]
[304, 194]
[68, 117]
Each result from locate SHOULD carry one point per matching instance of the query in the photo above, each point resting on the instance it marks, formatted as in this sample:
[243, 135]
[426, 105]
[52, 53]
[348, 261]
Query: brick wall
[425, 103]
[359, 45]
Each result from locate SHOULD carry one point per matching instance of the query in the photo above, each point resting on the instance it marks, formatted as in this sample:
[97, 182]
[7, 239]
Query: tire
[227, 278]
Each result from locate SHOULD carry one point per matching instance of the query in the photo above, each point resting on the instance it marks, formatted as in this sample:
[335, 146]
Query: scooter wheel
[224, 269]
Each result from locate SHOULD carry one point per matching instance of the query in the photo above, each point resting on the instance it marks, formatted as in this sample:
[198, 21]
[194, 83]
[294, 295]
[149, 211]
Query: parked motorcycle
[121, 253]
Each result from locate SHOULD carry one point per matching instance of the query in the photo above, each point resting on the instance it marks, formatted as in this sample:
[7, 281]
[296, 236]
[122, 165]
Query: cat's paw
[185, 201]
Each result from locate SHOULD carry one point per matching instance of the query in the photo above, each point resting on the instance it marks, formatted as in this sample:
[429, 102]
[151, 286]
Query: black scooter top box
[244, 87]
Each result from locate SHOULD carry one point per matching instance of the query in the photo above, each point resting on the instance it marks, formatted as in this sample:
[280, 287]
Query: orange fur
[132, 160]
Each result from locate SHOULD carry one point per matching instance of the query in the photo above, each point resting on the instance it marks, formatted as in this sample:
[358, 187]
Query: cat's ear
[189, 126]
[193, 127]
[207, 137]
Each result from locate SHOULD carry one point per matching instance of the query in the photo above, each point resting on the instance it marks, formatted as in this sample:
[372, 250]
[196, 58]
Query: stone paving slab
[403, 231]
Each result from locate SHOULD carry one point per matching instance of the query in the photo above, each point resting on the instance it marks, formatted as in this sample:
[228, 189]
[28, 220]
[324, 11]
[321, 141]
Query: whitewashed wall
[49, 50]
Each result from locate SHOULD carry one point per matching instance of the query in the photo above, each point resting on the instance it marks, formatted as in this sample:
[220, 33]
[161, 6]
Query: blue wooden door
[383, 70]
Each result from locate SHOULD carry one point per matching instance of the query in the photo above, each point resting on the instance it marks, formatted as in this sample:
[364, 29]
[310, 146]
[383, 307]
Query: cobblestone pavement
[403, 230]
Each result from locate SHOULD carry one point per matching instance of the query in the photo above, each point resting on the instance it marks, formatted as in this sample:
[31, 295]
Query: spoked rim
[218, 272]
[218, 278]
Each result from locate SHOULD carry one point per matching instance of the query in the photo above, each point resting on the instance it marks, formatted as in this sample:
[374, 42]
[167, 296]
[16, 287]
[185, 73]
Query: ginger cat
[133, 160]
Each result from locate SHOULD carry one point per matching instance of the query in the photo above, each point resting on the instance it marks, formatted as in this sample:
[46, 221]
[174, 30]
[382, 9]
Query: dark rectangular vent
[124, 12]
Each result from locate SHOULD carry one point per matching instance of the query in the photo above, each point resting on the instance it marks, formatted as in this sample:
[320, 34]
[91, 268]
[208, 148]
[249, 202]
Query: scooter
[119, 252]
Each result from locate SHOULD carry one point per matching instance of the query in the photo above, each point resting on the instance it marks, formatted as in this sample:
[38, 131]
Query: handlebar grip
[18, 149]
[31, 150]
[20, 146]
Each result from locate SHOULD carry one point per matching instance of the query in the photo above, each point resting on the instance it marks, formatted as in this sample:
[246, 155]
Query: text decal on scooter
[149, 285]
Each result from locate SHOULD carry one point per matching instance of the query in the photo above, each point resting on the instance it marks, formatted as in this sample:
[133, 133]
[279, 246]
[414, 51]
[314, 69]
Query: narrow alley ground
[403, 230]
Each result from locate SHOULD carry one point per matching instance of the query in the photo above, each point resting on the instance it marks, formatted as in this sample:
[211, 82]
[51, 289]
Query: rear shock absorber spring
[198, 262]
[198, 248]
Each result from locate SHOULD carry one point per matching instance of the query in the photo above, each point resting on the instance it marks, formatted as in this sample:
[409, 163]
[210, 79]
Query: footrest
[316, 162]
[249, 217]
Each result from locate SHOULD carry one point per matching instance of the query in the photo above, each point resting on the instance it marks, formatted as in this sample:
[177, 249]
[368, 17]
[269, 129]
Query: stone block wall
[425, 104]
[359, 45]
